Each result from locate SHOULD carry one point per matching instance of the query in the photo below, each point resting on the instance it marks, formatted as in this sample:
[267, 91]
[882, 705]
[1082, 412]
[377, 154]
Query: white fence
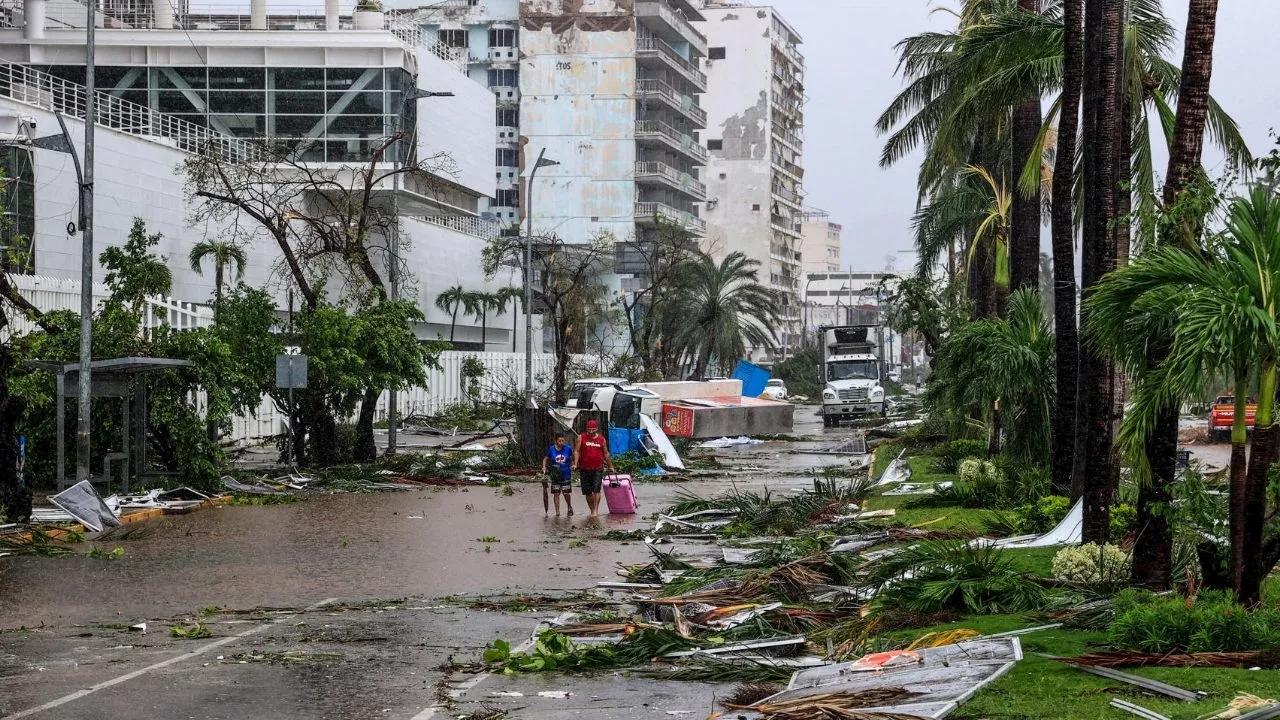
[49, 294]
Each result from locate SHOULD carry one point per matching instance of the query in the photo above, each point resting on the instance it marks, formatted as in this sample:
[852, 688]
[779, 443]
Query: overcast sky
[848, 48]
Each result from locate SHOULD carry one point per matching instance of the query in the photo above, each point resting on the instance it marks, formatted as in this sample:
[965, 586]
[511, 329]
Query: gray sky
[848, 48]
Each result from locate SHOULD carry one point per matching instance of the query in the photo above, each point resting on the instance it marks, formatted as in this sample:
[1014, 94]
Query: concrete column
[331, 15]
[33, 14]
[162, 14]
[257, 14]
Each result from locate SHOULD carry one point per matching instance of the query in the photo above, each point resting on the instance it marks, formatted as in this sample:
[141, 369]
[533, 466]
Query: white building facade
[324, 85]
[754, 135]
[820, 240]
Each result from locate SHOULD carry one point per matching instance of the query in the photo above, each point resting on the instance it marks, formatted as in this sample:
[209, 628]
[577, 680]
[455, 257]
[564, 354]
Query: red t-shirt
[591, 452]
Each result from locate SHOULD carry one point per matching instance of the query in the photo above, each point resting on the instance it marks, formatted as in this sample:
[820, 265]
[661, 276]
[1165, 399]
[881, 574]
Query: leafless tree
[567, 276]
[655, 261]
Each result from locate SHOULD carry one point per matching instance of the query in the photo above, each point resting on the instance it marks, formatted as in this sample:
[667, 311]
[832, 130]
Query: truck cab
[852, 373]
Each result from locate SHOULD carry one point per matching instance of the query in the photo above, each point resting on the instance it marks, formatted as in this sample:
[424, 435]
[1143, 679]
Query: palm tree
[475, 304]
[992, 233]
[1002, 370]
[513, 296]
[224, 254]
[1025, 220]
[1222, 305]
[724, 309]
[451, 301]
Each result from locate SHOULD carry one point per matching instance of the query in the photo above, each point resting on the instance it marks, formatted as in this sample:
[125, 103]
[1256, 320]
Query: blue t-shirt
[561, 459]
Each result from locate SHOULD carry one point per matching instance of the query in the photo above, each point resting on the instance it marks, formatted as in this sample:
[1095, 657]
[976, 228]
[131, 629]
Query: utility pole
[86, 255]
[542, 161]
[393, 263]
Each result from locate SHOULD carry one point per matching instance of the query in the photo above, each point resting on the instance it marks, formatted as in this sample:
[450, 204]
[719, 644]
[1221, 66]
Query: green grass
[1041, 689]
[883, 455]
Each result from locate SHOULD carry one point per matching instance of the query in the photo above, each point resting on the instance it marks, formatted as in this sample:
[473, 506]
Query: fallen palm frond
[41, 542]
[707, 669]
[832, 706]
[793, 581]
[939, 639]
[938, 575]
[596, 629]
[749, 694]
[1177, 659]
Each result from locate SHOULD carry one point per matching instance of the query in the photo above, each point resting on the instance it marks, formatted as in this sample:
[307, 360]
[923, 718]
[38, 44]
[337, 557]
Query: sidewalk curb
[60, 532]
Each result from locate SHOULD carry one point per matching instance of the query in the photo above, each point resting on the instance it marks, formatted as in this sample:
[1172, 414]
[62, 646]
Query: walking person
[560, 457]
[590, 455]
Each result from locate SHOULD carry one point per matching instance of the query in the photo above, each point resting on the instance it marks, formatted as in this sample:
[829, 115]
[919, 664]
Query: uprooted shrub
[934, 576]
[1212, 622]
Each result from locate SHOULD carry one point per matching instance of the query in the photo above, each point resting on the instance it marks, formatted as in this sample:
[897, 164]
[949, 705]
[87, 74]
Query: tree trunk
[1102, 130]
[484, 330]
[1237, 511]
[515, 321]
[366, 450]
[15, 497]
[1261, 457]
[1024, 239]
[982, 285]
[453, 322]
[1064, 260]
[1153, 550]
[1187, 146]
[993, 436]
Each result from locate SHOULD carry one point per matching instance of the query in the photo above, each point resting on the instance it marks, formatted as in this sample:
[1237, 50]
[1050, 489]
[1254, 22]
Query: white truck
[852, 371]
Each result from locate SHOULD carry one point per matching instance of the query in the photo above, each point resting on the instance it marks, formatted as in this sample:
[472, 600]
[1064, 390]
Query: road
[337, 607]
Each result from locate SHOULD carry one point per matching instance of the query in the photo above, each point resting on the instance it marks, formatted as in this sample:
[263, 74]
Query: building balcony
[505, 94]
[789, 230]
[662, 91]
[790, 138]
[508, 135]
[789, 51]
[647, 213]
[789, 198]
[663, 174]
[790, 169]
[672, 23]
[653, 52]
[656, 131]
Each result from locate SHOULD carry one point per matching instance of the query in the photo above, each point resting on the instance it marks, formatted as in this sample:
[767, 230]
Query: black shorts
[591, 480]
[561, 485]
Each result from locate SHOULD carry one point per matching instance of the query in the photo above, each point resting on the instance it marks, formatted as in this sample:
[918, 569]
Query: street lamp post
[85, 393]
[542, 161]
[393, 271]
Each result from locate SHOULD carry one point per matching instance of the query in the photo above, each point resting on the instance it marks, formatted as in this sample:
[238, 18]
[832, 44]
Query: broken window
[715, 144]
[453, 38]
[508, 116]
[715, 53]
[502, 38]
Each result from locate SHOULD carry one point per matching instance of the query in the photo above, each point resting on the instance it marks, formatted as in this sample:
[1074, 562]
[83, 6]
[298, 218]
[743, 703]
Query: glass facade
[18, 201]
[327, 114]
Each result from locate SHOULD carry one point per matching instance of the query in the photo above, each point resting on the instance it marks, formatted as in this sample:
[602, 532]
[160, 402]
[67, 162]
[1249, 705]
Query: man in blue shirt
[560, 457]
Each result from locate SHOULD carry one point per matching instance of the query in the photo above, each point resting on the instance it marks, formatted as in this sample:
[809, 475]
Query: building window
[18, 197]
[506, 157]
[453, 38]
[508, 116]
[508, 198]
[715, 53]
[502, 38]
[715, 144]
[755, 207]
[502, 78]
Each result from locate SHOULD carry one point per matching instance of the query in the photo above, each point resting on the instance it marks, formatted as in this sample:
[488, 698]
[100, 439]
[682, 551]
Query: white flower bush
[974, 470]
[1091, 564]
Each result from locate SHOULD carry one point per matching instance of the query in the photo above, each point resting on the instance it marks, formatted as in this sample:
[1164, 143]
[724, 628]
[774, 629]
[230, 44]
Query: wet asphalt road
[337, 607]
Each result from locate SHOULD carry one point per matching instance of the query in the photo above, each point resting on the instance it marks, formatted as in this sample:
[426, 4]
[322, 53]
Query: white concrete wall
[577, 89]
[821, 246]
[460, 126]
[737, 105]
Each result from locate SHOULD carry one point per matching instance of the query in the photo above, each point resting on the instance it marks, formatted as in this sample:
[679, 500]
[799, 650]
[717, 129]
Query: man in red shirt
[590, 455]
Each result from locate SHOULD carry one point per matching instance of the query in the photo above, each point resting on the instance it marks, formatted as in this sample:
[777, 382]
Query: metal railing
[658, 47]
[684, 181]
[649, 128]
[791, 169]
[790, 137]
[467, 225]
[664, 89]
[687, 220]
[409, 33]
[45, 91]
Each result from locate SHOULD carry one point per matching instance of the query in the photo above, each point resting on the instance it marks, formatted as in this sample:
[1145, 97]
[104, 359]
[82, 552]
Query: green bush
[1124, 518]
[1043, 515]
[1213, 622]
[346, 440]
[949, 455]
[1101, 568]
[958, 576]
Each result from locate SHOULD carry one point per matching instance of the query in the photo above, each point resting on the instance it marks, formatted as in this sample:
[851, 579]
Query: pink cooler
[620, 495]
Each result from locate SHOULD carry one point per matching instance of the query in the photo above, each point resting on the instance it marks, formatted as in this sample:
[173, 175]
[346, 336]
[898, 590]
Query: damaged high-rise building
[754, 133]
[609, 89]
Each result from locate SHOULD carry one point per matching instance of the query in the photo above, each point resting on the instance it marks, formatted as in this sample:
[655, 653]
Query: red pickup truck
[1222, 416]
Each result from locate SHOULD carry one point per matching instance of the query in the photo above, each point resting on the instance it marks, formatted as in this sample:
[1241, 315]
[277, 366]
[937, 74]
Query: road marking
[162, 664]
[461, 687]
